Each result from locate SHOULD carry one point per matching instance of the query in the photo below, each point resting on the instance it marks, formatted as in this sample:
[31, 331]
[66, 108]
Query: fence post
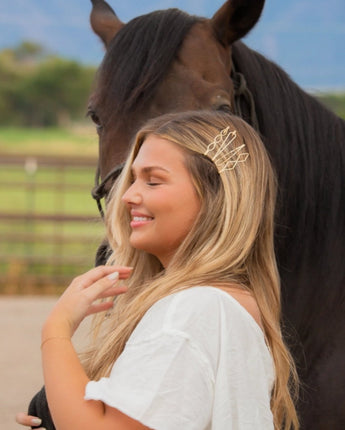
[30, 167]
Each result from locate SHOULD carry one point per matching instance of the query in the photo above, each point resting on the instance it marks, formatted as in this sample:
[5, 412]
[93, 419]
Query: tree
[38, 89]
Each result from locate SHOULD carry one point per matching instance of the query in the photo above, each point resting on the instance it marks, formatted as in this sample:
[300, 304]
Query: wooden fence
[49, 225]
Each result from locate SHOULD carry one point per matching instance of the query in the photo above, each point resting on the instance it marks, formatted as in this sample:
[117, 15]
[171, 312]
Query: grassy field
[24, 191]
[72, 141]
[40, 256]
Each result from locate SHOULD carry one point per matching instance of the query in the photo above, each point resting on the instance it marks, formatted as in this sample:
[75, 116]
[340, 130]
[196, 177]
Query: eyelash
[151, 184]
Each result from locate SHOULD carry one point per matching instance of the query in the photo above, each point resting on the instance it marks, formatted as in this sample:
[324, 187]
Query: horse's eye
[224, 108]
[95, 118]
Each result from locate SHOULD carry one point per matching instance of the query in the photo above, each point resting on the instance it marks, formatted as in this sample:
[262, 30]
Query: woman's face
[162, 199]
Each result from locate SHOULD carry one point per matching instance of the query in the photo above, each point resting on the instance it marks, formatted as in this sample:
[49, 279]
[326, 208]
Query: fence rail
[49, 225]
[47, 160]
[13, 217]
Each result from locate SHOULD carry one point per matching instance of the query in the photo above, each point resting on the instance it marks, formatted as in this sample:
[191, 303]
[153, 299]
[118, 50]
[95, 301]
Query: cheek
[178, 210]
[188, 211]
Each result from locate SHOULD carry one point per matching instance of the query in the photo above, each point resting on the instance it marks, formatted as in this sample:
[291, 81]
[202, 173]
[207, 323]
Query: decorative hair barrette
[226, 160]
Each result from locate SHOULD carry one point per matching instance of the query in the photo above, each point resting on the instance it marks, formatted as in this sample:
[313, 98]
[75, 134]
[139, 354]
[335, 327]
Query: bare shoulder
[246, 299]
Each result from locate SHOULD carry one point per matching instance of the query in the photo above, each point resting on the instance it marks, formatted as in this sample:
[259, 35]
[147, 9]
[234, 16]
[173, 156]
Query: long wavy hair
[230, 243]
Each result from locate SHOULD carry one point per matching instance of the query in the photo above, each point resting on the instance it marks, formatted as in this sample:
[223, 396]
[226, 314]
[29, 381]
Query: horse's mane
[137, 60]
[307, 144]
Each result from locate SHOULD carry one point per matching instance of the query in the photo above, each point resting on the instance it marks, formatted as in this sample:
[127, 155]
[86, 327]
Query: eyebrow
[149, 169]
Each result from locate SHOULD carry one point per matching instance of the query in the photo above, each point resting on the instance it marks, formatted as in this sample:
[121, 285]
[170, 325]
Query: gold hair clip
[227, 161]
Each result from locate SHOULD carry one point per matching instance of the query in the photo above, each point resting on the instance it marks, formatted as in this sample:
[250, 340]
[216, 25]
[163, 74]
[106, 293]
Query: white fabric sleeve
[164, 382]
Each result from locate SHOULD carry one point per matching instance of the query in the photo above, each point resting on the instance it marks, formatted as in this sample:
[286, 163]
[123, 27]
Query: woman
[193, 340]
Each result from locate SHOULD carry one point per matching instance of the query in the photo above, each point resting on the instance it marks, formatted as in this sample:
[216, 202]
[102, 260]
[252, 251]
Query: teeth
[140, 218]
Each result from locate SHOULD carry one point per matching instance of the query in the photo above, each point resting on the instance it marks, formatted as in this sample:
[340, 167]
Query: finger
[105, 287]
[100, 307]
[28, 420]
[100, 272]
[112, 291]
[103, 292]
[106, 305]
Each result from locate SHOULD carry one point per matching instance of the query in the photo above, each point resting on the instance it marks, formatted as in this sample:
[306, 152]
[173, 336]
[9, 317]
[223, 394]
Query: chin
[138, 244]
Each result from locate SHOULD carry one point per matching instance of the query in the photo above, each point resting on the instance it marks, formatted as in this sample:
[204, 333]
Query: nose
[132, 196]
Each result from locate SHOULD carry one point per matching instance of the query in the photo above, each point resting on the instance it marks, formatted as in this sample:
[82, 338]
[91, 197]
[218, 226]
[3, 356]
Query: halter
[99, 191]
[241, 93]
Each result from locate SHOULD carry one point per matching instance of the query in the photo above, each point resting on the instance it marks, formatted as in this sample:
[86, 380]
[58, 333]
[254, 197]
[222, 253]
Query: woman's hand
[28, 420]
[78, 300]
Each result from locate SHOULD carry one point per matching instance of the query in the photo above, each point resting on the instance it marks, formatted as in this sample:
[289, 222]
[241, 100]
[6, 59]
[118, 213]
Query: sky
[305, 37]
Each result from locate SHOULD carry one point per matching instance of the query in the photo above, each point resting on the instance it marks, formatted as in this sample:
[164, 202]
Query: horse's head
[162, 62]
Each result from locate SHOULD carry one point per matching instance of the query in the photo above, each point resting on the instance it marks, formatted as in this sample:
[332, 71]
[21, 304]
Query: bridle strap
[242, 92]
[99, 190]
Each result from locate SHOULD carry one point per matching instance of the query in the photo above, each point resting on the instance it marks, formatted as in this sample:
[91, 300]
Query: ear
[104, 21]
[235, 19]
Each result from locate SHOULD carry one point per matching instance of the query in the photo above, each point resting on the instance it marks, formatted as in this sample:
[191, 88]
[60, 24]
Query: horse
[169, 61]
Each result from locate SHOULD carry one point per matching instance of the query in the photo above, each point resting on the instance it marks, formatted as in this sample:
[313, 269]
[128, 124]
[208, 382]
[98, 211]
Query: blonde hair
[231, 242]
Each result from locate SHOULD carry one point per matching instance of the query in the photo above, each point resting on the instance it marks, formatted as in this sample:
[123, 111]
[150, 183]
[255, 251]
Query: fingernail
[113, 276]
[36, 421]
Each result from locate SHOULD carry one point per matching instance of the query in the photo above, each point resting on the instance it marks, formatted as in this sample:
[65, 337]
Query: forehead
[156, 151]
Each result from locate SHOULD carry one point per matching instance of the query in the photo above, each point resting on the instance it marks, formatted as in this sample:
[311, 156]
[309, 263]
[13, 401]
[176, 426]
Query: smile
[139, 221]
[141, 218]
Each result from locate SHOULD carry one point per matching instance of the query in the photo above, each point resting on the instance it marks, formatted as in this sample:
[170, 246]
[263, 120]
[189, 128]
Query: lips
[139, 219]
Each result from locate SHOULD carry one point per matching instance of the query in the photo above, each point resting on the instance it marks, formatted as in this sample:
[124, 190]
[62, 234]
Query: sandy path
[20, 363]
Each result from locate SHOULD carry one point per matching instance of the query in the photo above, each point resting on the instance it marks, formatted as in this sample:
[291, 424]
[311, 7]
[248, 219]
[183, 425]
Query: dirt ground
[20, 362]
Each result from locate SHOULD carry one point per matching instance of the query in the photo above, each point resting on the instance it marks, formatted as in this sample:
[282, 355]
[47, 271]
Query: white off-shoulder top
[196, 361]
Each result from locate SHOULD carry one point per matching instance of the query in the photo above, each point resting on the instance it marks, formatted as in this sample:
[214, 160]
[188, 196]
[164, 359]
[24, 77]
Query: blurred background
[49, 224]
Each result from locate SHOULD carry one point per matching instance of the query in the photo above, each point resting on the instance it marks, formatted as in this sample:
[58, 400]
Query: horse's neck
[306, 143]
[302, 135]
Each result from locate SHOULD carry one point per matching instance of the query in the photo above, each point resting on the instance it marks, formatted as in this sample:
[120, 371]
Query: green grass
[43, 256]
[50, 141]
[23, 192]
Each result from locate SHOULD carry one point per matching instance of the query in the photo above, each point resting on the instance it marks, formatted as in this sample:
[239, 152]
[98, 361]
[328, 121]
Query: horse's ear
[236, 18]
[104, 21]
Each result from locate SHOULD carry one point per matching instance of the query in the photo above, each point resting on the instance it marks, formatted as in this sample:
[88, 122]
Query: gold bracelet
[54, 338]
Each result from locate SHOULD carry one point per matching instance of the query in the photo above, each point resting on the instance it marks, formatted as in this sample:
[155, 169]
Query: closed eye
[153, 184]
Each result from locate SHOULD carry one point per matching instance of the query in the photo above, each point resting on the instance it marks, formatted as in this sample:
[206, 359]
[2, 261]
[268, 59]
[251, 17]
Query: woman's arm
[64, 376]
